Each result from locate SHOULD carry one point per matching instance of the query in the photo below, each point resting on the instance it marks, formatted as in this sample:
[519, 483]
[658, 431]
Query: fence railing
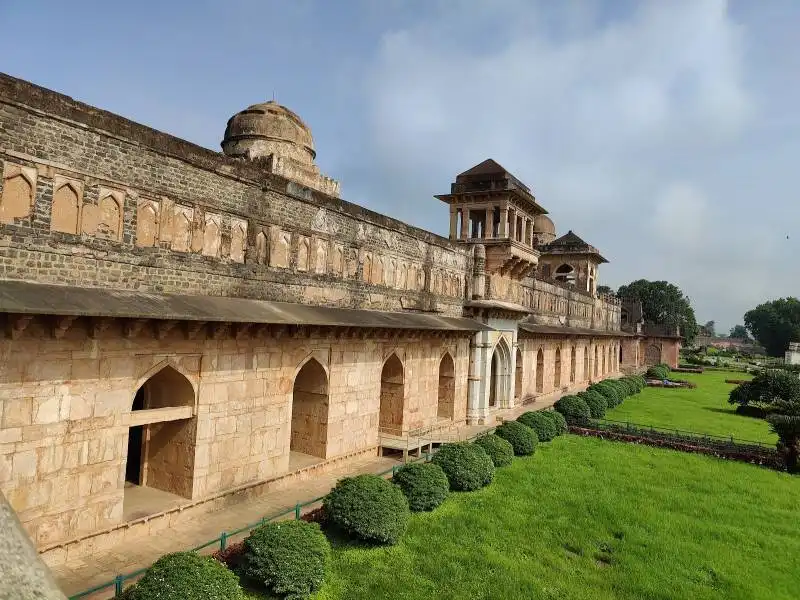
[118, 583]
[640, 427]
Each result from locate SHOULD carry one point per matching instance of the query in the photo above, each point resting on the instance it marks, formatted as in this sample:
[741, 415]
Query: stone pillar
[489, 222]
[478, 271]
[512, 223]
[478, 398]
[529, 232]
[453, 222]
[464, 223]
[502, 230]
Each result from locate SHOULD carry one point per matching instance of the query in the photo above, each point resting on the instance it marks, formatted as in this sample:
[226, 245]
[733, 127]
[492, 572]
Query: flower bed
[683, 369]
[671, 383]
[736, 381]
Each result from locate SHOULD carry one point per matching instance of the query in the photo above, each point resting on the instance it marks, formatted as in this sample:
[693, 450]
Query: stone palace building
[199, 324]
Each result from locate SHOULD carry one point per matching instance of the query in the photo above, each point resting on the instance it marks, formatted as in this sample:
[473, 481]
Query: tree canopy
[708, 329]
[774, 324]
[739, 332]
[663, 303]
[604, 289]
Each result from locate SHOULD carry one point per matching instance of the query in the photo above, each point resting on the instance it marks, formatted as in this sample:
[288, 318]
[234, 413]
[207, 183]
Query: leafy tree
[604, 289]
[774, 324]
[773, 388]
[708, 329]
[739, 332]
[663, 303]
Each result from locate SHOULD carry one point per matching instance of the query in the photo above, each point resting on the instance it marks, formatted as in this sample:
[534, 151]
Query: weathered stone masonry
[189, 367]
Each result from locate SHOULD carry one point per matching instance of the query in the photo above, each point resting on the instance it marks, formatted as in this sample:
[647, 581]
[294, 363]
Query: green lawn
[591, 519]
[704, 409]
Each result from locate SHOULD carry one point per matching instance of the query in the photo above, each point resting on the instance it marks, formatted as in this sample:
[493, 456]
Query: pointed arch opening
[620, 361]
[499, 381]
[309, 433]
[160, 453]
[603, 356]
[539, 371]
[596, 366]
[572, 364]
[392, 395]
[557, 369]
[611, 359]
[518, 372]
[446, 400]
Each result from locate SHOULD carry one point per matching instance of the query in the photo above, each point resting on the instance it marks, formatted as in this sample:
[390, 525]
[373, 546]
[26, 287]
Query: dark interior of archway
[133, 466]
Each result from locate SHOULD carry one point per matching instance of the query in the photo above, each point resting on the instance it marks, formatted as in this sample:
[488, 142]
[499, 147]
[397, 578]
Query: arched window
[310, 411]
[392, 395]
[557, 369]
[518, 375]
[566, 274]
[447, 388]
[539, 371]
[572, 365]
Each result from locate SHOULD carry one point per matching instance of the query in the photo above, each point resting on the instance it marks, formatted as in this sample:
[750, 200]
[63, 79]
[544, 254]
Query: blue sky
[665, 133]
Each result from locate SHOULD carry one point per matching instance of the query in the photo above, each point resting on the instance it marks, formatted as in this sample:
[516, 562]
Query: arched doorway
[586, 373]
[620, 355]
[652, 355]
[494, 381]
[572, 365]
[447, 388]
[518, 375]
[611, 359]
[310, 410]
[595, 361]
[557, 369]
[500, 377]
[160, 454]
[539, 371]
[392, 395]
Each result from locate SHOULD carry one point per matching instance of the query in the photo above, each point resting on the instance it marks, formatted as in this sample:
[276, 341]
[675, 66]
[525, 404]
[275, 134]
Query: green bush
[467, 466]
[369, 508]
[287, 558]
[574, 410]
[188, 576]
[522, 438]
[610, 390]
[424, 484]
[596, 401]
[499, 450]
[544, 426]
[558, 419]
[630, 386]
[657, 372]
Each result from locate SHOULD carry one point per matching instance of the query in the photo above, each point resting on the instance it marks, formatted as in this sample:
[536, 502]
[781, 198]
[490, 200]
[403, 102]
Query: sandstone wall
[65, 410]
[90, 198]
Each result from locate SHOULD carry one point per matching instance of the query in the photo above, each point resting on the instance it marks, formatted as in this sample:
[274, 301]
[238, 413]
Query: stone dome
[543, 224]
[268, 128]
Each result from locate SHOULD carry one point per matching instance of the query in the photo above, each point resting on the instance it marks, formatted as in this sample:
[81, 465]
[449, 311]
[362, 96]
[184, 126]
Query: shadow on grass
[724, 411]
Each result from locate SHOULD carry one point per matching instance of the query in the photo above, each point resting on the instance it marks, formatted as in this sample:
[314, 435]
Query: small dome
[268, 128]
[543, 224]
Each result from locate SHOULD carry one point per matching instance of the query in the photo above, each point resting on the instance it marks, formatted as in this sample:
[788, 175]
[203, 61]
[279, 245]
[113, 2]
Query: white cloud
[610, 126]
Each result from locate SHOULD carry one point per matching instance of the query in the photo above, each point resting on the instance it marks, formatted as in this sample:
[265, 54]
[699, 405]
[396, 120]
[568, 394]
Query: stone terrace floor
[77, 576]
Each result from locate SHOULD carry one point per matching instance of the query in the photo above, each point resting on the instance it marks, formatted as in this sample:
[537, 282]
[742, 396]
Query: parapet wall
[90, 198]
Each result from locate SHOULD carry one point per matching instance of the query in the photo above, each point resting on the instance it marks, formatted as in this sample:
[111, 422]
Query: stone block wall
[65, 404]
[90, 198]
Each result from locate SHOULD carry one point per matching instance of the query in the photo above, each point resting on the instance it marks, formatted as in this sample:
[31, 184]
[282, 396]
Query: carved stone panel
[337, 263]
[238, 239]
[182, 228]
[281, 248]
[262, 249]
[303, 253]
[321, 256]
[19, 186]
[212, 235]
[147, 213]
[66, 208]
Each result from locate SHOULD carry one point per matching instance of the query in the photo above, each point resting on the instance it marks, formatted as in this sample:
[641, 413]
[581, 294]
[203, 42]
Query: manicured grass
[590, 519]
[704, 409]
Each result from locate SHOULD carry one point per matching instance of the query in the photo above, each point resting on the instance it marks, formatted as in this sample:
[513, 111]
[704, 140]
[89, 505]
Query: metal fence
[118, 583]
[639, 427]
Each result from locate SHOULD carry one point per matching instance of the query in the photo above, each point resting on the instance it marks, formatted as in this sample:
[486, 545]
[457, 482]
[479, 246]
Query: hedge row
[290, 559]
[581, 408]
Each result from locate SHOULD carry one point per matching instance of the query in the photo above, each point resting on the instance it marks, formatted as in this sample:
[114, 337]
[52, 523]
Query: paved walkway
[83, 574]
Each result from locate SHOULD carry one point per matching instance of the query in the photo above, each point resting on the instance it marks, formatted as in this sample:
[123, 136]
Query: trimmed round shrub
[609, 390]
[629, 386]
[751, 410]
[596, 401]
[574, 410]
[558, 419]
[424, 484]
[468, 467]
[657, 372]
[369, 508]
[541, 422]
[523, 439]
[499, 450]
[288, 558]
[188, 576]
